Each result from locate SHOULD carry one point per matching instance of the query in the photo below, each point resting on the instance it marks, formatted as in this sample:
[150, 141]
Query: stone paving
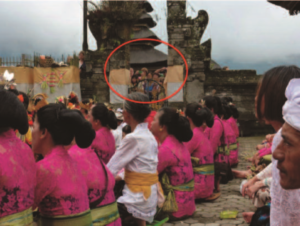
[207, 214]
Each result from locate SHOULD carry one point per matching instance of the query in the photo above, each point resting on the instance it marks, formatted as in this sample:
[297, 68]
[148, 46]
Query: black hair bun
[12, 112]
[183, 131]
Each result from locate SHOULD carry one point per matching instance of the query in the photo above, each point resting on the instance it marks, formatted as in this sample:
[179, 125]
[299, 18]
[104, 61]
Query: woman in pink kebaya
[17, 164]
[174, 161]
[233, 115]
[230, 134]
[103, 120]
[61, 194]
[201, 151]
[100, 182]
[218, 138]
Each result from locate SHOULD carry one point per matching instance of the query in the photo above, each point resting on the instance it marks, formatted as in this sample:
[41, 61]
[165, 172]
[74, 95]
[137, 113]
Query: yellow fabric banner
[174, 74]
[26, 75]
[21, 74]
[62, 75]
[119, 77]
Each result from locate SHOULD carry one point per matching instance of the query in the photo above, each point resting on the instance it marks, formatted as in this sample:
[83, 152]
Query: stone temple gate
[184, 33]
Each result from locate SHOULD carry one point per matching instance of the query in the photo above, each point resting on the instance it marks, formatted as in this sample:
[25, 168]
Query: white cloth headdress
[291, 108]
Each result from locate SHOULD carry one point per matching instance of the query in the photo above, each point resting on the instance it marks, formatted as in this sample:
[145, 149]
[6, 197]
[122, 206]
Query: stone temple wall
[241, 85]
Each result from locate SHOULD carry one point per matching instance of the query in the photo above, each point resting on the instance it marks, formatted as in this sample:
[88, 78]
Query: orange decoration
[21, 98]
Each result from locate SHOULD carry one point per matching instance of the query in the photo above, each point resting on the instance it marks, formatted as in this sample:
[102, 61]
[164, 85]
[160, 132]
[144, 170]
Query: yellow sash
[23, 218]
[82, 219]
[104, 215]
[140, 182]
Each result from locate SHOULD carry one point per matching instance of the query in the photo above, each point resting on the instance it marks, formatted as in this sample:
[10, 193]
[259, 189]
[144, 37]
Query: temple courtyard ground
[208, 214]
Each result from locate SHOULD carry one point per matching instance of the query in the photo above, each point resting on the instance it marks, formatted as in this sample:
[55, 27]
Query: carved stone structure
[142, 53]
[185, 34]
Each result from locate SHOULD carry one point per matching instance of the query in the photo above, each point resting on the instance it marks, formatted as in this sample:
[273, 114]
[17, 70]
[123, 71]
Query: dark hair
[227, 113]
[214, 102]
[26, 99]
[134, 76]
[235, 112]
[155, 74]
[105, 116]
[199, 115]
[138, 111]
[12, 112]
[272, 89]
[126, 129]
[228, 99]
[14, 91]
[65, 124]
[73, 100]
[176, 124]
[211, 103]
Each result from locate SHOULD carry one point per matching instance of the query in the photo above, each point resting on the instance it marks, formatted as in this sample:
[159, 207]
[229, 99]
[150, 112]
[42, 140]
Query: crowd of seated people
[147, 82]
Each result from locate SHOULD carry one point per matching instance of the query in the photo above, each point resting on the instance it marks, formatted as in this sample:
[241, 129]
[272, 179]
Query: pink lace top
[230, 136]
[95, 176]
[234, 126]
[175, 160]
[104, 144]
[61, 187]
[200, 147]
[17, 174]
[214, 134]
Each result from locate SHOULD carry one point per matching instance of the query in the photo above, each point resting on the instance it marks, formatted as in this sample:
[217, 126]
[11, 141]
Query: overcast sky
[245, 34]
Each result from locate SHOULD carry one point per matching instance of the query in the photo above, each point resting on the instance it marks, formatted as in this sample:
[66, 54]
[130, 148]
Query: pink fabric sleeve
[216, 134]
[165, 159]
[45, 184]
[265, 151]
[192, 144]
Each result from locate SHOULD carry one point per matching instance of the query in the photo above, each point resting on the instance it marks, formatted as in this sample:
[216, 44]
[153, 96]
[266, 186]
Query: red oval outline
[146, 39]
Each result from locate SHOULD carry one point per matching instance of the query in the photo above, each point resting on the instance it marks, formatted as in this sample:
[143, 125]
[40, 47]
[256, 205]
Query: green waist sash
[205, 169]
[104, 215]
[233, 146]
[82, 219]
[224, 149]
[170, 204]
[23, 218]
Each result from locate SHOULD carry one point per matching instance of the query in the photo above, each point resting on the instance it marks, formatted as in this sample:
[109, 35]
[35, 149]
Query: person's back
[234, 126]
[200, 148]
[100, 183]
[60, 189]
[215, 133]
[104, 144]
[17, 175]
[175, 161]
[231, 131]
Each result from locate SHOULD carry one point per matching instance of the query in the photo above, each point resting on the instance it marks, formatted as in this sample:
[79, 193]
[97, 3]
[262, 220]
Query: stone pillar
[185, 34]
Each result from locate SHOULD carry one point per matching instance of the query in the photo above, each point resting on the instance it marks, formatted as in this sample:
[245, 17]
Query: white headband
[291, 108]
